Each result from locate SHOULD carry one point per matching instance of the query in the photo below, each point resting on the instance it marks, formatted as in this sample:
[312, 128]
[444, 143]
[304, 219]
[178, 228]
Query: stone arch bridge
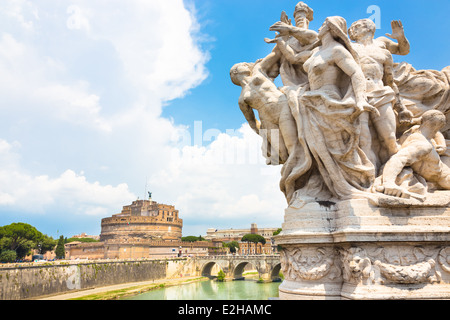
[268, 266]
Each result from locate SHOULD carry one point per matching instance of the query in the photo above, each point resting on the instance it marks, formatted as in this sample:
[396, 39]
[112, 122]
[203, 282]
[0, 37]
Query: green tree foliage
[46, 244]
[192, 238]
[277, 232]
[8, 256]
[221, 276]
[233, 246]
[22, 238]
[87, 240]
[279, 248]
[60, 252]
[255, 238]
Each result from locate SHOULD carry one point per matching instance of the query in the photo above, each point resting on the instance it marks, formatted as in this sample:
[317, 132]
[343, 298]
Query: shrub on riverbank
[221, 276]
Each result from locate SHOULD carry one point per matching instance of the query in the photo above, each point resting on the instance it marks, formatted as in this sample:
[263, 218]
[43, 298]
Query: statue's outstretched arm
[403, 46]
[349, 66]
[250, 116]
[288, 52]
[404, 115]
[304, 36]
[272, 59]
[408, 155]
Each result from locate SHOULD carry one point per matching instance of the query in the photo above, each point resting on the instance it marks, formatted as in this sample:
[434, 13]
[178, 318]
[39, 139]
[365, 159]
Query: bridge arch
[208, 267]
[268, 267]
[275, 273]
[239, 269]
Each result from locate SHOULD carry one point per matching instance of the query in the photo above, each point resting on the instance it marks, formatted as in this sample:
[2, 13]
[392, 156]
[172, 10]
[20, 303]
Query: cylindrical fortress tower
[143, 220]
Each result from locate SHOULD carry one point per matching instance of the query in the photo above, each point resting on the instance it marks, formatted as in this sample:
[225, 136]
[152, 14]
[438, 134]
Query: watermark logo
[233, 147]
[77, 19]
[375, 12]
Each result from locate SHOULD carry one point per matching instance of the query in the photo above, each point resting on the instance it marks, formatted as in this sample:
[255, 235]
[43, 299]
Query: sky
[105, 100]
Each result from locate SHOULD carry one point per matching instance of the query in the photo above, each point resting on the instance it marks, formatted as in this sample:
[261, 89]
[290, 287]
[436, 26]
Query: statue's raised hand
[397, 30]
[281, 27]
[284, 18]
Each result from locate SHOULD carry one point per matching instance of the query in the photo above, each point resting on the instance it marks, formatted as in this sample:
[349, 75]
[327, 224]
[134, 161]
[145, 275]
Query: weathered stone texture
[26, 282]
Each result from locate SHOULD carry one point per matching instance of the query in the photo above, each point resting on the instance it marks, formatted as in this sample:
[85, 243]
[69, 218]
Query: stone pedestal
[356, 250]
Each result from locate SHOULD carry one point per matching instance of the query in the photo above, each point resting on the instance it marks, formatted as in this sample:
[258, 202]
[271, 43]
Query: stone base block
[354, 250]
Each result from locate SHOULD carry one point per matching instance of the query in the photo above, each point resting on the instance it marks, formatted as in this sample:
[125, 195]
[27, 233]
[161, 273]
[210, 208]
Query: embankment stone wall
[28, 281]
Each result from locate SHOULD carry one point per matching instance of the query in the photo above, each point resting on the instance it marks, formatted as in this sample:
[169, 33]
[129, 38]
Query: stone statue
[365, 160]
[299, 38]
[420, 152]
[335, 122]
[377, 65]
[402, 46]
[327, 120]
[260, 93]
[423, 90]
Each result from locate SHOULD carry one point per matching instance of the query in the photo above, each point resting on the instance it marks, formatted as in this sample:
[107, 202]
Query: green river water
[214, 290]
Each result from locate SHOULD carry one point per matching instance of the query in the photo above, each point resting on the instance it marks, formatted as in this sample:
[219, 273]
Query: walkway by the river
[130, 288]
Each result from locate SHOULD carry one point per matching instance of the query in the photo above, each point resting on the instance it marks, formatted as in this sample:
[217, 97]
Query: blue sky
[100, 100]
[238, 28]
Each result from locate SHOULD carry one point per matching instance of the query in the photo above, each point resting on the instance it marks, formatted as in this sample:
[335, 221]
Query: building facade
[144, 229]
[229, 235]
[84, 236]
[143, 220]
[137, 250]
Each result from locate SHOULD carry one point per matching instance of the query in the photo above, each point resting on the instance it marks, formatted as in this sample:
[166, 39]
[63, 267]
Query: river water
[214, 290]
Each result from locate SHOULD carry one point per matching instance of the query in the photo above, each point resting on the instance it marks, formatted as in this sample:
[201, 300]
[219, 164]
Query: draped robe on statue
[328, 162]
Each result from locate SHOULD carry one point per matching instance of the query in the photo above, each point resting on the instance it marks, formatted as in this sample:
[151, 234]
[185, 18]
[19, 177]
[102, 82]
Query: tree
[277, 232]
[8, 256]
[60, 252]
[192, 238]
[46, 244]
[189, 239]
[22, 238]
[253, 238]
[233, 246]
[84, 240]
[221, 276]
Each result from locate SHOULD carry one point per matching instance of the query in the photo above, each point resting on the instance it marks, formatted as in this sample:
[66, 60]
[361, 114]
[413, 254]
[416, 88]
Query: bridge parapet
[268, 266]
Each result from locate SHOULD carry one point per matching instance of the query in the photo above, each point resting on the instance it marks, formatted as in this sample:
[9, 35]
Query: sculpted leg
[288, 128]
[444, 181]
[366, 139]
[385, 125]
[278, 151]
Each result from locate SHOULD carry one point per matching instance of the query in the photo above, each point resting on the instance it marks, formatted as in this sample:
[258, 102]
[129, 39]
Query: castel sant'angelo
[143, 220]
[144, 229]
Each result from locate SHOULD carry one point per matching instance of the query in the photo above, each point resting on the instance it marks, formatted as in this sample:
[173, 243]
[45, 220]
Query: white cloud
[78, 19]
[70, 191]
[151, 44]
[154, 40]
[21, 11]
[83, 85]
[27, 83]
[74, 104]
[225, 183]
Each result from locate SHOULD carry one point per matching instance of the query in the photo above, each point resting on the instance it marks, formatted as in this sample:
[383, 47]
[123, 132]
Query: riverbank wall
[33, 280]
